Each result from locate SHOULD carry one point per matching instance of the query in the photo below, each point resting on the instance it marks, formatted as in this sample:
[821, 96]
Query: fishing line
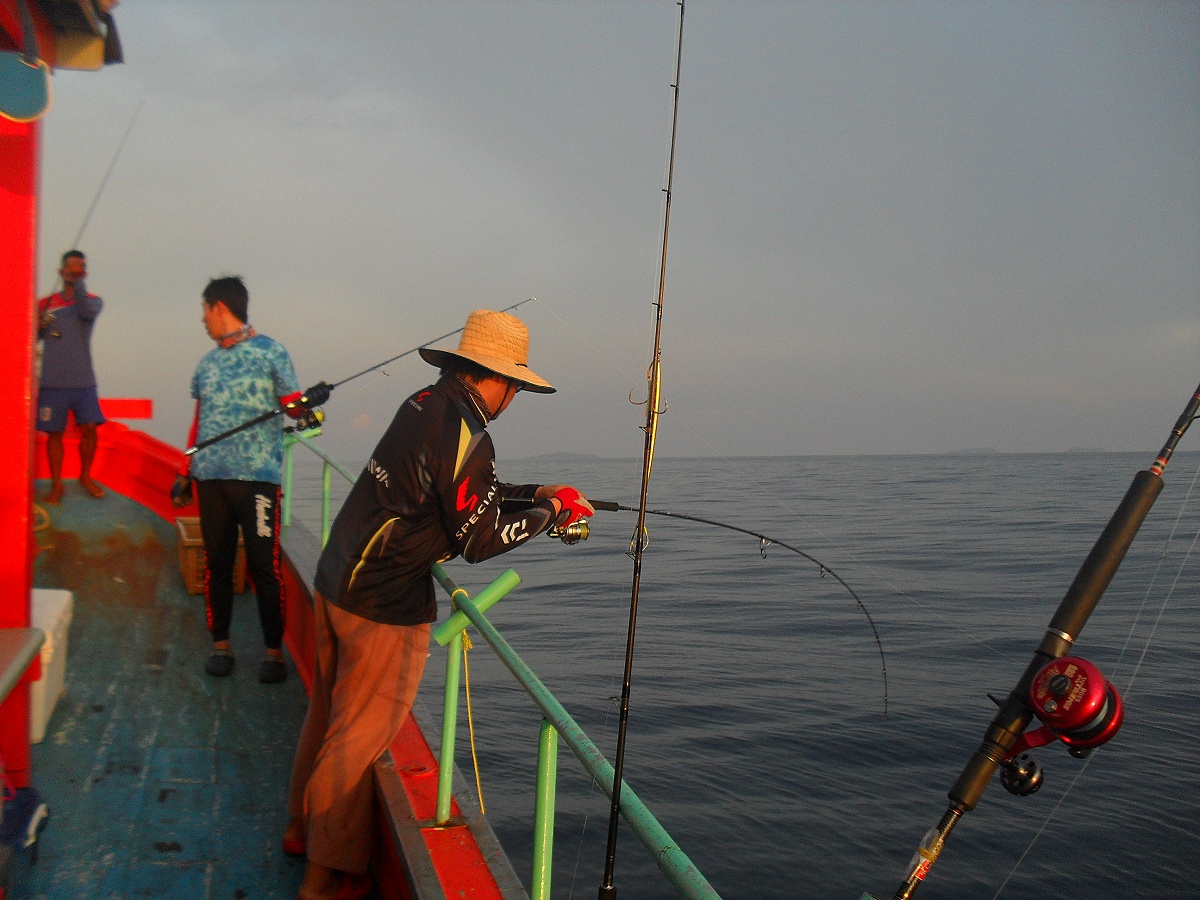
[1154, 577]
[415, 349]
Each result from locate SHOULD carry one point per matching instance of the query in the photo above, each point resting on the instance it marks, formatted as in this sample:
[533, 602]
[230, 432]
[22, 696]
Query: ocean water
[757, 730]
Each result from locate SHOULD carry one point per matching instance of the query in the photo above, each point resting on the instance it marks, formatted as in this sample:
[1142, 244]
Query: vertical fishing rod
[58, 283]
[1006, 736]
[653, 378]
[104, 181]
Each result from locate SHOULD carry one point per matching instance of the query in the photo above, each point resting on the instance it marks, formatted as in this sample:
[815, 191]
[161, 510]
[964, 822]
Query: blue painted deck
[161, 781]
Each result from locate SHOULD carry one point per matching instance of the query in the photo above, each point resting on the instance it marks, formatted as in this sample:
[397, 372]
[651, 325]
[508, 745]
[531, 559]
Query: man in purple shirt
[68, 382]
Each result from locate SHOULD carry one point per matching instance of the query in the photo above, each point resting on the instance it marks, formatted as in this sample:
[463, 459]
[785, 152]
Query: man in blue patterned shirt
[237, 479]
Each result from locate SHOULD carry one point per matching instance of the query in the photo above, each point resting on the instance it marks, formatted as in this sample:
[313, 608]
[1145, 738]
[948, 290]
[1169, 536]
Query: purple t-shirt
[67, 340]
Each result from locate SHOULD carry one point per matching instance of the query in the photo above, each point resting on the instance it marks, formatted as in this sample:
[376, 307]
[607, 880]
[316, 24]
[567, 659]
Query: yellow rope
[466, 645]
[41, 520]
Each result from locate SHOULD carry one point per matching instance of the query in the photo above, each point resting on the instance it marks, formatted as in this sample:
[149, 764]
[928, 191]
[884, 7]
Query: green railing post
[326, 473]
[450, 634]
[543, 824]
[449, 728]
[286, 511]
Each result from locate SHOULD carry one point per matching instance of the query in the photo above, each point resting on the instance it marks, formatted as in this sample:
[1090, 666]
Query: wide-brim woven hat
[499, 342]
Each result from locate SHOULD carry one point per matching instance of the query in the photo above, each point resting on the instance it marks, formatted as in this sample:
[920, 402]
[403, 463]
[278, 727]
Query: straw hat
[497, 341]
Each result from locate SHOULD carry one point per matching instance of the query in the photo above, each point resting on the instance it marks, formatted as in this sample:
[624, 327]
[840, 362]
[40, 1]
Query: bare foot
[295, 837]
[92, 488]
[54, 497]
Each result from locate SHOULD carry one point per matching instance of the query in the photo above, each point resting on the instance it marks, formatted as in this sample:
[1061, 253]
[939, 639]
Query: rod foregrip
[1106, 556]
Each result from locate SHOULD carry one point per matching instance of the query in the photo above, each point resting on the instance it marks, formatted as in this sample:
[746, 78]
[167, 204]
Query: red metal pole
[20, 145]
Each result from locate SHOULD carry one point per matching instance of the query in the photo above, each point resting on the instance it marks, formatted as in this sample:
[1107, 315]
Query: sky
[896, 227]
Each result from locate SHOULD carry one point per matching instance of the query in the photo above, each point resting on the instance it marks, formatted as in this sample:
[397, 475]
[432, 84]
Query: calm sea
[757, 730]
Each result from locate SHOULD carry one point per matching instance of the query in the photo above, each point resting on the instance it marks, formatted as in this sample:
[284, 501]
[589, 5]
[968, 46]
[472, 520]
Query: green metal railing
[329, 466]
[556, 722]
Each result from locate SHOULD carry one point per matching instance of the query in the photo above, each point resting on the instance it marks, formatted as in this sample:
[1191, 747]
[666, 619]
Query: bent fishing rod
[1074, 702]
[319, 393]
[581, 529]
[607, 890]
[764, 542]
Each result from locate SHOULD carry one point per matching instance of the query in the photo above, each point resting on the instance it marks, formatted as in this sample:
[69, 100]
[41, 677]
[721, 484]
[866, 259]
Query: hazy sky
[897, 227]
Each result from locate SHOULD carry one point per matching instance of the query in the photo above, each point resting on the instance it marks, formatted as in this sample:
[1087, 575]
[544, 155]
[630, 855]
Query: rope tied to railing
[467, 645]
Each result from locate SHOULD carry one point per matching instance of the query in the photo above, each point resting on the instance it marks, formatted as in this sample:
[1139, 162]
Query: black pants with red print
[254, 505]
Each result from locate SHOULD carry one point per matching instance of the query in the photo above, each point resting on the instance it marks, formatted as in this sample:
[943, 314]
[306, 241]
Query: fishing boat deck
[160, 780]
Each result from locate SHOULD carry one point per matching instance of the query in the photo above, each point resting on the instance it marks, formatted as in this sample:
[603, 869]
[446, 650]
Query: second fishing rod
[306, 404]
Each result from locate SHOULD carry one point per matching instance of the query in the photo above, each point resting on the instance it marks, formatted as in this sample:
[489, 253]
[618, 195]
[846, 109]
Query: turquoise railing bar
[486, 599]
[671, 860]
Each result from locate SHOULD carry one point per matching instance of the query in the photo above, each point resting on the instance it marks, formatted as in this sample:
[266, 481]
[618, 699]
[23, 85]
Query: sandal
[272, 670]
[219, 663]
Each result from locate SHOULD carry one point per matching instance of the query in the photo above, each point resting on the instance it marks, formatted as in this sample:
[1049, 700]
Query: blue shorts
[54, 403]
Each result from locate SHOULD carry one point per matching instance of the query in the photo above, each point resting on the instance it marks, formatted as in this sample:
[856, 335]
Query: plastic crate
[191, 557]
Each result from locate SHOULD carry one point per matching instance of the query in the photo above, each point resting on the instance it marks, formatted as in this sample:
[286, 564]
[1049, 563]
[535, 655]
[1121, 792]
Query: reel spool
[1076, 702]
[571, 534]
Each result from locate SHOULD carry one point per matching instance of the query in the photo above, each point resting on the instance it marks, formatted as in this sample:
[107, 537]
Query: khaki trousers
[364, 683]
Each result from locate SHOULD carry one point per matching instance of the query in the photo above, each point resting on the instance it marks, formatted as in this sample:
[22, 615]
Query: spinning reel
[308, 422]
[571, 534]
[1076, 705]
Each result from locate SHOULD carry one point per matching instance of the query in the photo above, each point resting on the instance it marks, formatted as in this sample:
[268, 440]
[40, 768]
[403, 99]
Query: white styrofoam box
[51, 613]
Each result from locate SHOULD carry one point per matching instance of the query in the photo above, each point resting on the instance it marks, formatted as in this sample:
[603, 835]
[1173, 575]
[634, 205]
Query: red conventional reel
[1077, 705]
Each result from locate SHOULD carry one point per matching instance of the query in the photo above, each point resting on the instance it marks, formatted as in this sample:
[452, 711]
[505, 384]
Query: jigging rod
[653, 377]
[1073, 612]
[324, 388]
[765, 541]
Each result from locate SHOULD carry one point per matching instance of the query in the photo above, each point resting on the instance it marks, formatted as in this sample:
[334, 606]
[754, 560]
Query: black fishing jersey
[428, 493]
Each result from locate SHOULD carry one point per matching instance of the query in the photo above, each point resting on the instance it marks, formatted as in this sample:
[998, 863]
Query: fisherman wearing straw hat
[428, 493]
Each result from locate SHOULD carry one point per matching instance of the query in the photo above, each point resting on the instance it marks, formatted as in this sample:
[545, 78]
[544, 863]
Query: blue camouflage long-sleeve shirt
[234, 385]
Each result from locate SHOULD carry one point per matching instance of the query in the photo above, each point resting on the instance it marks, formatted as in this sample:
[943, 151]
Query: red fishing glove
[293, 405]
[574, 507]
[300, 404]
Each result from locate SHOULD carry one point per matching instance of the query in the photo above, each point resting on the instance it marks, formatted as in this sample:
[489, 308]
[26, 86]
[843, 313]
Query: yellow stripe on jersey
[464, 447]
[362, 561]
